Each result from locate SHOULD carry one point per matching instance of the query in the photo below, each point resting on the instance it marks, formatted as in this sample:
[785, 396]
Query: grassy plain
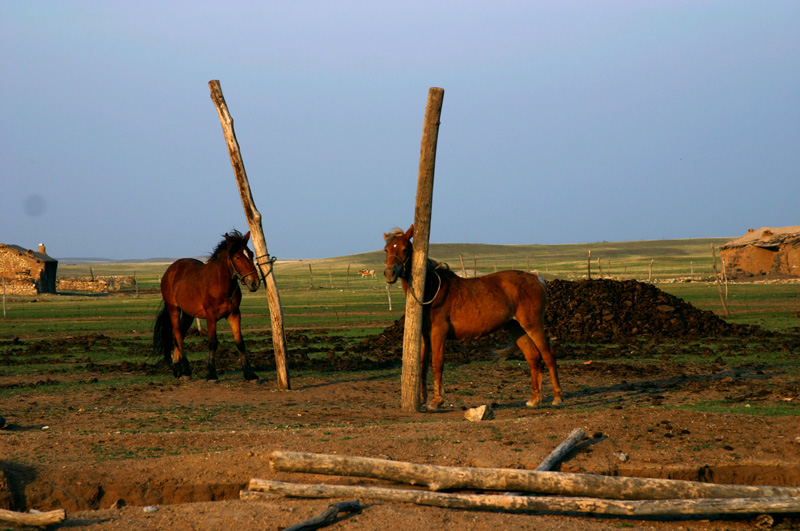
[329, 293]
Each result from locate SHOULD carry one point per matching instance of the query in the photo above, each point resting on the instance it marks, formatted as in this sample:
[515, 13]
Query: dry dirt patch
[104, 453]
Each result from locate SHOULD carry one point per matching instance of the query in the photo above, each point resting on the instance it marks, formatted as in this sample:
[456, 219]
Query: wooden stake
[327, 517]
[716, 277]
[502, 479]
[492, 502]
[573, 440]
[263, 260]
[412, 334]
[589, 266]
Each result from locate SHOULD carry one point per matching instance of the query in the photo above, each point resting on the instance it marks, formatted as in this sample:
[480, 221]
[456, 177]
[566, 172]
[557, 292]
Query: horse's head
[398, 254]
[240, 259]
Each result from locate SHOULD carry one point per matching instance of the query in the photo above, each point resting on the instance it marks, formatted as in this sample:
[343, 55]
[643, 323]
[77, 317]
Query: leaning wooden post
[589, 266]
[263, 260]
[412, 334]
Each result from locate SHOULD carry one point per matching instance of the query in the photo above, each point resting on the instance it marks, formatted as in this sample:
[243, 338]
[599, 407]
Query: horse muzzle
[252, 281]
[391, 274]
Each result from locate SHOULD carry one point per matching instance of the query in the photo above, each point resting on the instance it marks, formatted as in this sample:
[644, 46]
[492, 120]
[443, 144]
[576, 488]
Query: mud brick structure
[768, 250]
[27, 272]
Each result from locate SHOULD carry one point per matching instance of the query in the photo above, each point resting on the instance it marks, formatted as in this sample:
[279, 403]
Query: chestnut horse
[193, 289]
[467, 308]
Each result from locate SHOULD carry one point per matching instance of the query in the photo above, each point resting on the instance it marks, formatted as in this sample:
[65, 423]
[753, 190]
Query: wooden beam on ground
[37, 519]
[263, 260]
[258, 488]
[501, 479]
[412, 333]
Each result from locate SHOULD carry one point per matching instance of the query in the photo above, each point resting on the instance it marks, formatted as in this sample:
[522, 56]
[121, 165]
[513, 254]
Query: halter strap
[235, 275]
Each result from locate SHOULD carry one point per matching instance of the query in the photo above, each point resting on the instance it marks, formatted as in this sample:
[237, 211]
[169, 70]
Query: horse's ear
[386, 237]
[410, 232]
[227, 238]
[247, 237]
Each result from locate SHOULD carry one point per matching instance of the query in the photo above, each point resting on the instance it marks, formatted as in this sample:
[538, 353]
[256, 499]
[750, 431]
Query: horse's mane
[441, 268]
[237, 241]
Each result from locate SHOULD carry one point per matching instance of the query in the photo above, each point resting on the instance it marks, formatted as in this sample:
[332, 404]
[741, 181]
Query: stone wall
[21, 284]
[97, 284]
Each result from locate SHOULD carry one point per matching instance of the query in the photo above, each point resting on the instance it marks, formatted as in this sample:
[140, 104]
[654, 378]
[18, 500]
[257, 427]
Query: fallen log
[439, 478]
[327, 516]
[258, 488]
[562, 450]
[38, 519]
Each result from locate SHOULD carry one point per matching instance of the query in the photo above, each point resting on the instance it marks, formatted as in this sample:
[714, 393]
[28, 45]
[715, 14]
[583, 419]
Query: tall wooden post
[412, 334]
[263, 260]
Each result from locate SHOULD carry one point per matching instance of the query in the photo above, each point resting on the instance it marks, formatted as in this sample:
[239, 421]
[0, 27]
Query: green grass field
[72, 334]
[329, 293]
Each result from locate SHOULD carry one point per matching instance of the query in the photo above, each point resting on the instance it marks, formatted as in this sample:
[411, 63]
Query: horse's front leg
[424, 363]
[213, 344]
[437, 363]
[235, 321]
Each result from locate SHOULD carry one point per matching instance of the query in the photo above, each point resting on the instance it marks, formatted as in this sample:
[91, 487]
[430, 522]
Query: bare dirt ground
[170, 454]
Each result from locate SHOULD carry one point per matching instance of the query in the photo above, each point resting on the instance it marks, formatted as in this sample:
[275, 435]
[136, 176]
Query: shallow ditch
[72, 495]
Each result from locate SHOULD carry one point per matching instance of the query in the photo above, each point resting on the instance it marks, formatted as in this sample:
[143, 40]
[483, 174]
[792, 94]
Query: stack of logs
[566, 493]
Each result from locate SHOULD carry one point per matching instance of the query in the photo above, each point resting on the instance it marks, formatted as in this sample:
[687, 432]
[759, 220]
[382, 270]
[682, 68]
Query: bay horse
[193, 289]
[468, 308]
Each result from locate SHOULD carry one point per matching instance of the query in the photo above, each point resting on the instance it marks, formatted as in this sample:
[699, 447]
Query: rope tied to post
[270, 260]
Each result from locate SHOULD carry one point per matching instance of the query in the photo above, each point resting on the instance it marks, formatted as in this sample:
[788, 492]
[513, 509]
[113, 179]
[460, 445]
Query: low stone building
[27, 272]
[764, 251]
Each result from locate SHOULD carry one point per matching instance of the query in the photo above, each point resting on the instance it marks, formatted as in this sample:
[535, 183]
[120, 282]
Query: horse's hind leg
[180, 365]
[535, 345]
[534, 359]
[235, 321]
[545, 349]
[183, 363]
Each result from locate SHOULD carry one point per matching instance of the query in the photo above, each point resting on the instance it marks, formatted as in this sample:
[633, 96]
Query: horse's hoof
[558, 401]
[212, 380]
[533, 403]
[186, 377]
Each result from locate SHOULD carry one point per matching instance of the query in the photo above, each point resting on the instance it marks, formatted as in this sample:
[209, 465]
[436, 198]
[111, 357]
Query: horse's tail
[162, 335]
[515, 331]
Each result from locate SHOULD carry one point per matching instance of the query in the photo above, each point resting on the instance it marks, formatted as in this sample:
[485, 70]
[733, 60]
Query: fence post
[263, 260]
[412, 334]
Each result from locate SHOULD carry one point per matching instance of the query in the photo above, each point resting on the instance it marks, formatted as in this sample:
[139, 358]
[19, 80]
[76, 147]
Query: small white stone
[479, 413]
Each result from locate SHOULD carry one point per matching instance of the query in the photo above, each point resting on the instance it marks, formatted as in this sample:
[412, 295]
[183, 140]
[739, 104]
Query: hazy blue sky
[563, 122]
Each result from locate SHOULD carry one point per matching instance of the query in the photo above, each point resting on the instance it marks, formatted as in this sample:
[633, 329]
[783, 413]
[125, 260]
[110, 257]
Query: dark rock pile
[612, 311]
[594, 311]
